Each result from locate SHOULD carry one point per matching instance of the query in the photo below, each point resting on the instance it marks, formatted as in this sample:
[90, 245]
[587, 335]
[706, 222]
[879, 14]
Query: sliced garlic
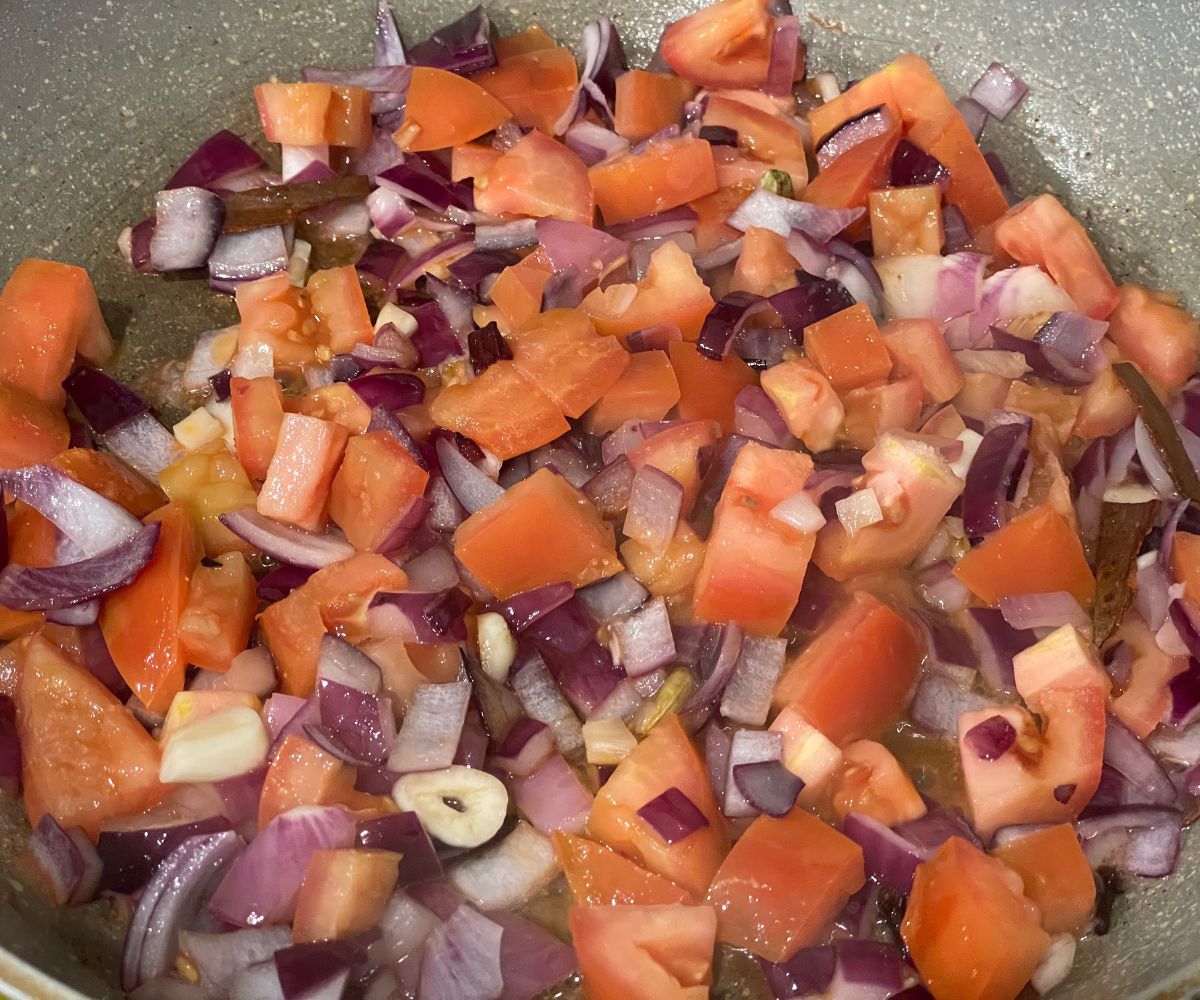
[197, 429]
[215, 747]
[460, 806]
[608, 741]
[403, 321]
[497, 647]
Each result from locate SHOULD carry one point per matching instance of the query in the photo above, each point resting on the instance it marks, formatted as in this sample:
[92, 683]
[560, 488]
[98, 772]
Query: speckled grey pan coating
[101, 99]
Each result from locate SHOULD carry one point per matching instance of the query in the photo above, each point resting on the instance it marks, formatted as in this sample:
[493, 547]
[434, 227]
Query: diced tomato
[1035, 553]
[444, 109]
[982, 392]
[1155, 333]
[215, 625]
[646, 390]
[872, 411]
[805, 399]
[560, 353]
[873, 782]
[32, 538]
[914, 487]
[210, 482]
[472, 159]
[848, 349]
[665, 759]
[314, 114]
[302, 774]
[764, 266]
[783, 883]
[274, 313]
[48, 313]
[707, 388]
[918, 347]
[1185, 563]
[535, 86]
[644, 952]
[540, 177]
[31, 433]
[517, 293]
[141, 621]
[676, 451]
[332, 599]
[671, 291]
[1054, 402]
[669, 572]
[374, 490]
[1056, 875]
[1145, 698]
[1105, 407]
[1040, 231]
[258, 411]
[502, 410]
[111, 478]
[762, 134]
[599, 876]
[532, 39]
[972, 933]
[848, 181]
[810, 755]
[712, 230]
[856, 675]
[648, 102]
[344, 893]
[85, 758]
[307, 456]
[666, 174]
[338, 305]
[541, 531]
[906, 220]
[726, 44]
[754, 565]
[339, 404]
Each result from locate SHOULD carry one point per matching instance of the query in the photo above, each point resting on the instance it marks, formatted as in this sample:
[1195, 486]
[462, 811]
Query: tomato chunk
[708, 388]
[648, 102]
[644, 952]
[48, 312]
[1035, 553]
[85, 758]
[599, 876]
[676, 451]
[31, 433]
[541, 531]
[502, 410]
[560, 353]
[111, 478]
[215, 625]
[918, 347]
[906, 220]
[307, 456]
[314, 114]
[850, 179]
[857, 674]
[517, 293]
[874, 410]
[806, 401]
[847, 347]
[141, 621]
[1145, 698]
[275, 314]
[667, 174]
[374, 491]
[664, 759]
[1040, 231]
[535, 86]
[726, 44]
[302, 774]
[971, 931]
[344, 893]
[754, 565]
[338, 305]
[258, 410]
[764, 266]
[1056, 875]
[540, 177]
[444, 109]
[1156, 333]
[671, 291]
[873, 782]
[783, 883]
[646, 390]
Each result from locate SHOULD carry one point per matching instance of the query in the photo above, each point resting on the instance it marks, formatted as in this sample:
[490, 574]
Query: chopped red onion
[506, 874]
[129, 857]
[389, 212]
[610, 489]
[593, 143]
[552, 797]
[939, 701]
[974, 114]
[526, 746]
[286, 543]
[220, 958]
[103, 401]
[996, 643]
[718, 256]
[389, 49]
[472, 488]
[260, 886]
[811, 300]
[767, 210]
[522, 610]
[859, 510]
[187, 222]
[911, 165]
[781, 65]
[887, 855]
[747, 698]
[433, 569]
[1028, 611]
[317, 970]
[571, 244]
[1130, 758]
[992, 738]
[93, 523]
[655, 506]
[440, 253]
[644, 639]
[506, 235]
[1137, 840]
[143, 444]
[532, 959]
[618, 595]
[725, 320]
[748, 746]
[673, 816]
[930, 831]
[361, 722]
[869, 125]
[658, 226]
[990, 478]
[172, 900]
[940, 588]
[429, 736]
[999, 90]
[403, 833]
[346, 665]
[544, 702]
[463, 46]
[219, 157]
[67, 859]
[462, 958]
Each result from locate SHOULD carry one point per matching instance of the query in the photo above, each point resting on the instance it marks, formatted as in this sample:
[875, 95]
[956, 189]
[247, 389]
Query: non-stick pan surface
[101, 99]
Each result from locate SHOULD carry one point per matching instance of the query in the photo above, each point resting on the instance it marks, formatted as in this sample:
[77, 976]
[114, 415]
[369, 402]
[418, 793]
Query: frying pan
[101, 99]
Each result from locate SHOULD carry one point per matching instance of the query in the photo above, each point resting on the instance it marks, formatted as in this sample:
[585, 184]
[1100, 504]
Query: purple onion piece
[999, 90]
[992, 738]
[104, 402]
[812, 300]
[402, 832]
[911, 165]
[673, 816]
[463, 46]
[768, 786]
[522, 610]
[870, 124]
